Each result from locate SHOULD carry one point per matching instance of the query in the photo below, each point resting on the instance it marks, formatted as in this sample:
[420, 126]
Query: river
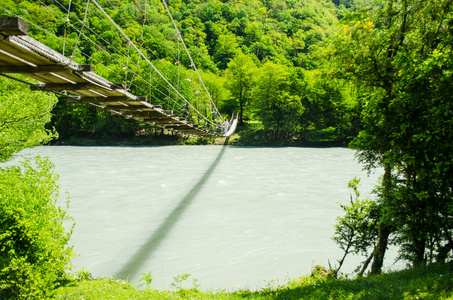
[232, 217]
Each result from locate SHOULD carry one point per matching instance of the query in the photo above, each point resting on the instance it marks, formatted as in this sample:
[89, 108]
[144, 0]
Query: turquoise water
[232, 217]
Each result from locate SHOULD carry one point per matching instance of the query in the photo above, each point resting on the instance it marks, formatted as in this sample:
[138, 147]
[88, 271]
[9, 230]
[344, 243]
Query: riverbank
[251, 134]
[433, 282]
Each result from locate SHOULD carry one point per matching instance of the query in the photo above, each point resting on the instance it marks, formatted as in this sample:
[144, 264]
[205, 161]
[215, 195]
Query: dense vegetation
[258, 58]
[401, 63]
[377, 74]
[33, 253]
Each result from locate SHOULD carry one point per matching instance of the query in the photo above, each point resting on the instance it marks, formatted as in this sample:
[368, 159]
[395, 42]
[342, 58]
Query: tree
[399, 53]
[226, 48]
[216, 87]
[356, 232]
[325, 111]
[33, 256]
[33, 253]
[23, 114]
[277, 99]
[239, 75]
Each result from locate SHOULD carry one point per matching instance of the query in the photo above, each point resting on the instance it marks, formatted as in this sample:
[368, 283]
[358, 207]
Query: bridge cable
[92, 42]
[137, 66]
[148, 48]
[190, 57]
[118, 51]
[97, 45]
[149, 62]
[80, 33]
[177, 60]
[66, 25]
[179, 65]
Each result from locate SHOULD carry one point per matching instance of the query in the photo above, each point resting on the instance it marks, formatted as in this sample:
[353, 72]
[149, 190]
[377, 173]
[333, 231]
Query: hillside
[236, 45]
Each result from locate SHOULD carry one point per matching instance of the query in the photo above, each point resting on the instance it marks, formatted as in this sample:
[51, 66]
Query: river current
[232, 217]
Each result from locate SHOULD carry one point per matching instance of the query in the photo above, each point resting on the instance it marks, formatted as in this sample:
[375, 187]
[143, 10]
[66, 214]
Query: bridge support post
[13, 26]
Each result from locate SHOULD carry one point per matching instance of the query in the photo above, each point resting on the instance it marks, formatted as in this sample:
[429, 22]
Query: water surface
[230, 216]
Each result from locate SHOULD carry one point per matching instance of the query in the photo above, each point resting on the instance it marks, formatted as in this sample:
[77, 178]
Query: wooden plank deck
[21, 54]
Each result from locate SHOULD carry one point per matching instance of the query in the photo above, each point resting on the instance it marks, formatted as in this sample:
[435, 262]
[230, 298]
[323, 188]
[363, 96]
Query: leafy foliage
[33, 256]
[239, 76]
[218, 34]
[382, 76]
[356, 232]
[277, 99]
[401, 65]
[23, 115]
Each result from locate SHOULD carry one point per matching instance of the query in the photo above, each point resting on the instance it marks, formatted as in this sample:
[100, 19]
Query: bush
[33, 252]
[23, 115]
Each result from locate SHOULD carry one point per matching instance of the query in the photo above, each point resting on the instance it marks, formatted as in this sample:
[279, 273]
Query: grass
[433, 282]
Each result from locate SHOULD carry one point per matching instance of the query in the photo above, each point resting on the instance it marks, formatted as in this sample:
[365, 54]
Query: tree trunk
[385, 228]
[365, 264]
[381, 247]
[241, 105]
[241, 112]
[346, 252]
[419, 250]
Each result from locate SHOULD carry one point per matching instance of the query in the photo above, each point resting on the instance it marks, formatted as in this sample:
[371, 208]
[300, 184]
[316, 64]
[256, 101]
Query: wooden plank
[14, 59]
[95, 78]
[119, 104]
[160, 117]
[34, 52]
[13, 26]
[26, 58]
[40, 69]
[134, 104]
[4, 60]
[157, 119]
[68, 86]
[188, 130]
[119, 85]
[145, 114]
[103, 100]
[151, 112]
[156, 122]
[179, 127]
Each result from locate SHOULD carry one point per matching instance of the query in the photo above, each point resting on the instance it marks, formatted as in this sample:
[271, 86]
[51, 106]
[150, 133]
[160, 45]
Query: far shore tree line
[378, 75]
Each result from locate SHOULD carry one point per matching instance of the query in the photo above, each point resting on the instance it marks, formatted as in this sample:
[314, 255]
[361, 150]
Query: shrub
[33, 252]
[23, 115]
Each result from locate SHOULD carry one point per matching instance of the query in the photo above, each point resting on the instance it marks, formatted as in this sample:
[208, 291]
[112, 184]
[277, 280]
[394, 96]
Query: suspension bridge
[55, 72]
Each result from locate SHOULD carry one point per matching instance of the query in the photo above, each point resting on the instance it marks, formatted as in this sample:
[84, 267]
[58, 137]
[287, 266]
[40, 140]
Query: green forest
[372, 75]
[263, 59]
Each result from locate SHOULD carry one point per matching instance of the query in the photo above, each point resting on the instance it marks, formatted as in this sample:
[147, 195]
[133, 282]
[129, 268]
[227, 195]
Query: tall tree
[400, 52]
[277, 99]
[216, 87]
[239, 80]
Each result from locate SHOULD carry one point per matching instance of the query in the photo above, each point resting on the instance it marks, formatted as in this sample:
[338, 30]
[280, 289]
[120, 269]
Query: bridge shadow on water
[135, 262]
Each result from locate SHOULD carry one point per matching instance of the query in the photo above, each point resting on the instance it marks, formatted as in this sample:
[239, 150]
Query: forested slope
[256, 57]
